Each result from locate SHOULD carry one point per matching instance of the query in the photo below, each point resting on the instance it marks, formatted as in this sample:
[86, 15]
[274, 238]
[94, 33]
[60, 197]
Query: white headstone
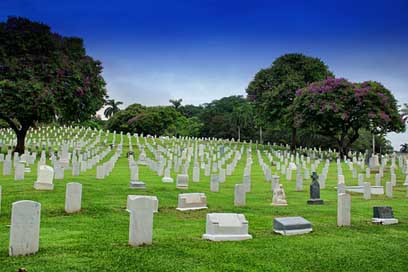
[239, 195]
[226, 227]
[73, 197]
[44, 178]
[343, 210]
[192, 201]
[141, 220]
[25, 228]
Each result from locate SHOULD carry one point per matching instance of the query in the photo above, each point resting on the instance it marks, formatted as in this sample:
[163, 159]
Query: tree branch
[9, 122]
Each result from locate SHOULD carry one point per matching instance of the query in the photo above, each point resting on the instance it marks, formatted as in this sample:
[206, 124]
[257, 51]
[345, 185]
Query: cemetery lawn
[96, 238]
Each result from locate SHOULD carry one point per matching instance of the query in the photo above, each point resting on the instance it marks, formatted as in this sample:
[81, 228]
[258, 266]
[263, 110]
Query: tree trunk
[260, 135]
[293, 142]
[21, 134]
[239, 134]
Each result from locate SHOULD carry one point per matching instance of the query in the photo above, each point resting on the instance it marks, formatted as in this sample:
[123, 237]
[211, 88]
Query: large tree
[273, 89]
[339, 110]
[45, 76]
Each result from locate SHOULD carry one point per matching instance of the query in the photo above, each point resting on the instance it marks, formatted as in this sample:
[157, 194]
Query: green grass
[96, 238]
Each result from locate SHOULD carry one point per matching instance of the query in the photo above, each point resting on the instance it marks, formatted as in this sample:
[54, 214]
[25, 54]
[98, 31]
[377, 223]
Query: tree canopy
[339, 109]
[45, 76]
[273, 89]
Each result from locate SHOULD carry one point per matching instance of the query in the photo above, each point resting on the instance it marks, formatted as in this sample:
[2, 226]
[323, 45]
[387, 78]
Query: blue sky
[203, 50]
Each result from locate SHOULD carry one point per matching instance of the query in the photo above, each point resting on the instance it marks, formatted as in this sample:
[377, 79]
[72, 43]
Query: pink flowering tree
[45, 77]
[338, 109]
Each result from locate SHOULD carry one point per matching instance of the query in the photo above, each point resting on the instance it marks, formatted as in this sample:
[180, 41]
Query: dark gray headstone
[137, 185]
[291, 223]
[383, 212]
[315, 191]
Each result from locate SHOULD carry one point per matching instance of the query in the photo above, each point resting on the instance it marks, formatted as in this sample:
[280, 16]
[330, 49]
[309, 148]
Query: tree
[45, 77]
[404, 148]
[241, 117]
[176, 102]
[113, 107]
[218, 121]
[273, 89]
[339, 109]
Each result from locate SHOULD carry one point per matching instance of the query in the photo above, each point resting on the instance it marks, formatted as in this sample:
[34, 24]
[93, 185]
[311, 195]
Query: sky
[201, 50]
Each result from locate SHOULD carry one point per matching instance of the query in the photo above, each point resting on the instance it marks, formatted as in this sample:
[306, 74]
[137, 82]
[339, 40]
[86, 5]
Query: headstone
[214, 183]
[226, 227]
[279, 197]
[196, 174]
[388, 189]
[384, 216]
[167, 178]
[45, 178]
[291, 226]
[315, 191]
[239, 195]
[343, 210]
[367, 190]
[130, 202]
[182, 181]
[6, 167]
[192, 201]
[141, 220]
[73, 197]
[25, 228]
[19, 171]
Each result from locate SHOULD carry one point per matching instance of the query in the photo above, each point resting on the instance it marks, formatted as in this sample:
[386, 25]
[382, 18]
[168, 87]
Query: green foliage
[160, 120]
[339, 109]
[112, 107]
[365, 142]
[191, 110]
[273, 89]
[121, 120]
[220, 118]
[44, 76]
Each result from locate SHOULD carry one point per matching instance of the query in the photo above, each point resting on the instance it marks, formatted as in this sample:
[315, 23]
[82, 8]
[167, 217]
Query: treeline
[296, 101]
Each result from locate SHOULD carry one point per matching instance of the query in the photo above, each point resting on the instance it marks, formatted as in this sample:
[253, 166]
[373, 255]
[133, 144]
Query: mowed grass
[96, 238]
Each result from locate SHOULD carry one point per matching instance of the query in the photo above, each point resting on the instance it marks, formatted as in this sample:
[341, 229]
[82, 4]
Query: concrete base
[27, 170]
[226, 237]
[293, 232]
[182, 187]
[43, 186]
[191, 209]
[167, 180]
[273, 204]
[315, 202]
[137, 185]
[375, 190]
[385, 221]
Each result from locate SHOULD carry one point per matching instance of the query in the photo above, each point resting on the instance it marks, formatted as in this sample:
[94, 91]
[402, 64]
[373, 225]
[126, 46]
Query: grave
[141, 220]
[73, 197]
[45, 178]
[130, 202]
[226, 227]
[25, 228]
[384, 216]
[182, 181]
[343, 210]
[191, 202]
[291, 226]
[239, 195]
[315, 191]
[279, 197]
